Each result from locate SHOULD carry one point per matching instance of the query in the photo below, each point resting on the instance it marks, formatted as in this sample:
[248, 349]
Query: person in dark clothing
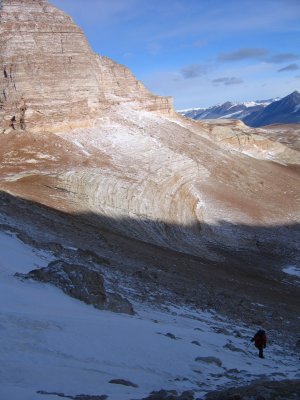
[260, 342]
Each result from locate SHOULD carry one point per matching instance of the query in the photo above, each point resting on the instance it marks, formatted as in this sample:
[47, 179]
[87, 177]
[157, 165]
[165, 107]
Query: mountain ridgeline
[284, 111]
[255, 114]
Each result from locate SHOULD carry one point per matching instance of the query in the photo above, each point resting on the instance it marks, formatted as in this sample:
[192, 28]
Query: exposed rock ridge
[119, 84]
[50, 78]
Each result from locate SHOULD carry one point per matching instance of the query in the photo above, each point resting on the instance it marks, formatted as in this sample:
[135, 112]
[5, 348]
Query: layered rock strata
[50, 79]
[131, 164]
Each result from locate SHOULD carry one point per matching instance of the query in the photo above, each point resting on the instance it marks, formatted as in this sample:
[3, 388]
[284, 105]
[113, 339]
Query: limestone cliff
[50, 78]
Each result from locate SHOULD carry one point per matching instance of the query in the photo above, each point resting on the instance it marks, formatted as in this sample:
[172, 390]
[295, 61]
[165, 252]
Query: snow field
[54, 343]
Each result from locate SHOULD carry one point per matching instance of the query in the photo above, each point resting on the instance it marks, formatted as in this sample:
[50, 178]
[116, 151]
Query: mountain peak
[283, 111]
[295, 95]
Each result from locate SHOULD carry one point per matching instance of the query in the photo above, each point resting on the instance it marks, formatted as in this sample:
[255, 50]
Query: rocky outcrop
[287, 134]
[170, 395]
[123, 382]
[81, 283]
[119, 85]
[260, 390]
[236, 136]
[50, 79]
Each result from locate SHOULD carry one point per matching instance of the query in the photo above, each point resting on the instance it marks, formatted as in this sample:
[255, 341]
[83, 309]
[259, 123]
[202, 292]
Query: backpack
[260, 338]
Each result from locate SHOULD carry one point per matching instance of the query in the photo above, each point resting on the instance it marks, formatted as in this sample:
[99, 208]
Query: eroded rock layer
[50, 78]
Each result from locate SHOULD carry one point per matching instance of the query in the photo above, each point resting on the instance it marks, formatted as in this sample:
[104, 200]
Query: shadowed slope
[237, 284]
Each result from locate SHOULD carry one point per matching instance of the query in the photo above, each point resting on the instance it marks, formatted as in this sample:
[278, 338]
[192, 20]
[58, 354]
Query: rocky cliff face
[50, 78]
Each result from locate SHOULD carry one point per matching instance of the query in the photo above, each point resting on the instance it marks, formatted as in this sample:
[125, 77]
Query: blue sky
[201, 52]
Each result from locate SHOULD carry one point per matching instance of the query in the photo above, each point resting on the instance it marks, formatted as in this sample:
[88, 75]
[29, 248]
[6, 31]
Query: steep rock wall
[50, 79]
[119, 84]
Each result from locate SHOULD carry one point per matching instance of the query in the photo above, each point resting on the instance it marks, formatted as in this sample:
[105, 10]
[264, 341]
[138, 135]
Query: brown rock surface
[50, 78]
[288, 134]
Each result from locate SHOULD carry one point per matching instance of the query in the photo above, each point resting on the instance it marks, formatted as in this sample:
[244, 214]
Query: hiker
[260, 341]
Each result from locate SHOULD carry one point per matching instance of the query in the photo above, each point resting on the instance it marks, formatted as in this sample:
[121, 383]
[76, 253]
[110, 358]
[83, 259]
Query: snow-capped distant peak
[230, 110]
[191, 109]
[267, 101]
[251, 103]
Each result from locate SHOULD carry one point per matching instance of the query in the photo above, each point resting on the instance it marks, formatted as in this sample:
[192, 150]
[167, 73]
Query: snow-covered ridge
[231, 104]
[191, 109]
[253, 113]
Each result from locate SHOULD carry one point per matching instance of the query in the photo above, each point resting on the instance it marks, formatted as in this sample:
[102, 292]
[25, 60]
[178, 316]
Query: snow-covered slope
[54, 344]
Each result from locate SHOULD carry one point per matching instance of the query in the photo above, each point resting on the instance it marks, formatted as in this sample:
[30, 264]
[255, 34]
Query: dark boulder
[123, 382]
[81, 283]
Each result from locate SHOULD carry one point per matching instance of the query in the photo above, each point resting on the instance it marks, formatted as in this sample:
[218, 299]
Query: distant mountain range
[254, 113]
